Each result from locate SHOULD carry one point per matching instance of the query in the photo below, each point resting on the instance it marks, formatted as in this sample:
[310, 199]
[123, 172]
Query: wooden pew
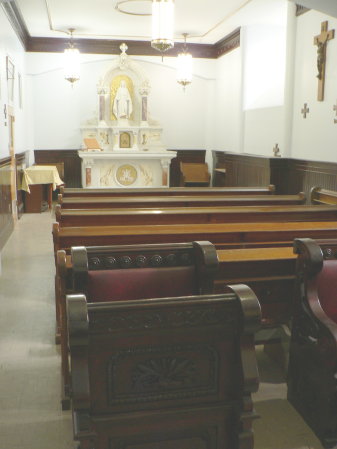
[258, 190]
[127, 272]
[222, 235]
[231, 214]
[172, 372]
[313, 346]
[269, 272]
[323, 196]
[194, 174]
[106, 202]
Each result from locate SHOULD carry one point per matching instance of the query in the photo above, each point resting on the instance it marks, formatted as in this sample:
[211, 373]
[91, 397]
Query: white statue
[122, 106]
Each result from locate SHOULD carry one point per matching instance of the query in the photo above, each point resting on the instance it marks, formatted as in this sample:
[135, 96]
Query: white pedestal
[126, 168]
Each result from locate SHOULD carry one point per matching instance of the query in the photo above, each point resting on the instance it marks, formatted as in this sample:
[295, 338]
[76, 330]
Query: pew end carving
[166, 372]
[312, 374]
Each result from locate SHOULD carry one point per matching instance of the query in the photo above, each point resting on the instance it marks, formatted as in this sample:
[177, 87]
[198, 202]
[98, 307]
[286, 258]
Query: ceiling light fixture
[71, 61]
[162, 24]
[184, 65]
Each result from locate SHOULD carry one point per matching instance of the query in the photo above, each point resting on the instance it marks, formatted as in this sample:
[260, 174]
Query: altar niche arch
[137, 82]
[115, 84]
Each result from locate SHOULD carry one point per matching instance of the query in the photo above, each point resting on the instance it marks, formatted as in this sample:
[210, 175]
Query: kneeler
[312, 374]
[132, 272]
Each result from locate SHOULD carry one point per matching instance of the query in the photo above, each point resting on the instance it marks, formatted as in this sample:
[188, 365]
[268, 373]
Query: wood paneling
[243, 170]
[289, 176]
[20, 164]
[183, 156]
[71, 163]
[6, 217]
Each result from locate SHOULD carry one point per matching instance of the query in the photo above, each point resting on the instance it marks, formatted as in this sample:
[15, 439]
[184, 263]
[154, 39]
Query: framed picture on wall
[10, 70]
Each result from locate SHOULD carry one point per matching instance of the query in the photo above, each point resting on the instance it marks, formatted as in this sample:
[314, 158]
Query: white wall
[59, 109]
[314, 137]
[251, 82]
[11, 46]
[228, 104]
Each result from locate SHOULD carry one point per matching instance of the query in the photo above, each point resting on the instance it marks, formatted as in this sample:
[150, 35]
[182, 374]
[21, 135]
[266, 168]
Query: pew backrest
[163, 370]
[100, 202]
[256, 190]
[318, 195]
[126, 272]
[167, 215]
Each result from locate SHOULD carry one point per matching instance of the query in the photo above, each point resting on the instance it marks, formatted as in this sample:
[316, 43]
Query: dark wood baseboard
[6, 216]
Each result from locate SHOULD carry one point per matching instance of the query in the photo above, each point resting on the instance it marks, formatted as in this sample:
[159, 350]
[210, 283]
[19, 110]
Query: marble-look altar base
[126, 168]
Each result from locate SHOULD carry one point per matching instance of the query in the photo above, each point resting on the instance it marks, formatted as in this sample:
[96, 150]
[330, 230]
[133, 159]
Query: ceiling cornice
[228, 43]
[15, 18]
[111, 46]
[301, 10]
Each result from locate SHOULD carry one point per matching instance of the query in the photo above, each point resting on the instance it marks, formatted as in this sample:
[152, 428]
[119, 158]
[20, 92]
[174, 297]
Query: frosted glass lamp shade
[162, 24]
[71, 64]
[184, 68]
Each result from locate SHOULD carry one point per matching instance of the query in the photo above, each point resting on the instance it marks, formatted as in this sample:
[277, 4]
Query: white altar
[128, 149]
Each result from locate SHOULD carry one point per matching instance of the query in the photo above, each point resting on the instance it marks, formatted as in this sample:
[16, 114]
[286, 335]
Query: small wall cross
[321, 41]
[305, 110]
[335, 109]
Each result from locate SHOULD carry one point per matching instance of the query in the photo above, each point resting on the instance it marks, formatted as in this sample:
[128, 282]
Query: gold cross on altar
[321, 41]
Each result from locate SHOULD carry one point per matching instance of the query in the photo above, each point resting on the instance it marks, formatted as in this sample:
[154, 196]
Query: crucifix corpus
[321, 41]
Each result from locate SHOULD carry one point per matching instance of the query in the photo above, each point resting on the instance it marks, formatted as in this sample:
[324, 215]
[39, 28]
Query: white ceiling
[204, 20]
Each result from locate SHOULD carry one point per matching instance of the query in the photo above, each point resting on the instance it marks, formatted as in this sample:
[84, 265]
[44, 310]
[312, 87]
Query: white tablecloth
[40, 174]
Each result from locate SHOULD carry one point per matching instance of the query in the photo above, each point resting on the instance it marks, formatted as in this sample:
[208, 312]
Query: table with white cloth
[37, 175]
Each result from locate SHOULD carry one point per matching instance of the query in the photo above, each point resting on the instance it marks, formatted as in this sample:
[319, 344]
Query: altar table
[36, 175]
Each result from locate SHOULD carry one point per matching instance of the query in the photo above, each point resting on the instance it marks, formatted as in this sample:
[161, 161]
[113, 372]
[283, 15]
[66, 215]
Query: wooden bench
[256, 190]
[194, 174]
[168, 373]
[131, 272]
[231, 214]
[222, 235]
[323, 196]
[313, 348]
[106, 202]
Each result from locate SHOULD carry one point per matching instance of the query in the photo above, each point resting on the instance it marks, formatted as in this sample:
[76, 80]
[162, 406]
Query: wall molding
[111, 46]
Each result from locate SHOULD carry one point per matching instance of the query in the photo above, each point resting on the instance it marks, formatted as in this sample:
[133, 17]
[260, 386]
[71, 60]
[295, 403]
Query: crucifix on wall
[321, 41]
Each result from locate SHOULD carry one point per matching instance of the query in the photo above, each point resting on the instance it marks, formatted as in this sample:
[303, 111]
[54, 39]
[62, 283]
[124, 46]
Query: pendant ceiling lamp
[162, 24]
[184, 66]
[71, 61]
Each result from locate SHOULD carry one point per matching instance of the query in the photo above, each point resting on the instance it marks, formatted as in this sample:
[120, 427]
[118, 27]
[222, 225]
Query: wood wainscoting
[183, 156]
[68, 159]
[6, 216]
[289, 176]
[21, 163]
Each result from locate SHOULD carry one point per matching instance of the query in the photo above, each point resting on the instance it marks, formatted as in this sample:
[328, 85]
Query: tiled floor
[30, 414]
